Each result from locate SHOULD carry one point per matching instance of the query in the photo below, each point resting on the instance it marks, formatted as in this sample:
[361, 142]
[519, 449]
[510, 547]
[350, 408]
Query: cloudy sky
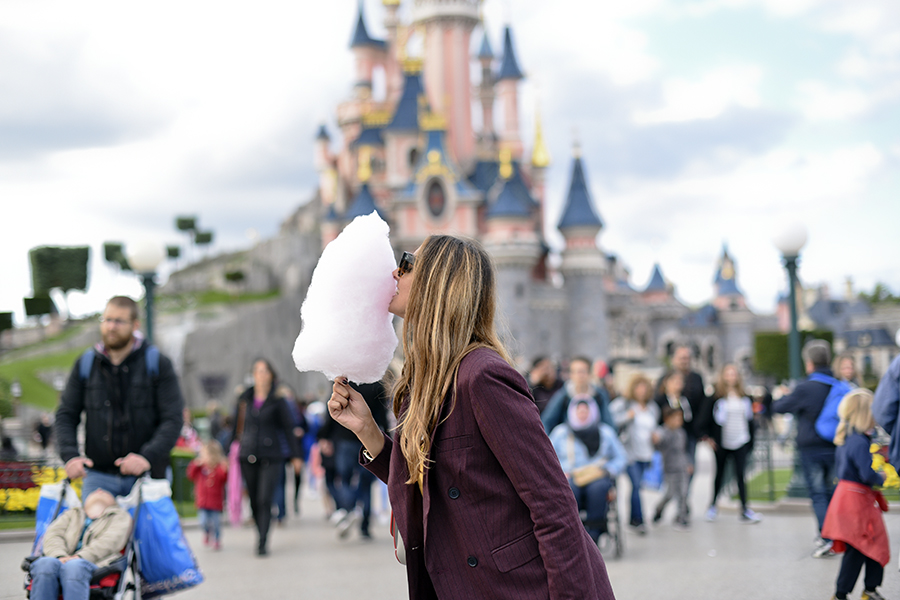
[703, 122]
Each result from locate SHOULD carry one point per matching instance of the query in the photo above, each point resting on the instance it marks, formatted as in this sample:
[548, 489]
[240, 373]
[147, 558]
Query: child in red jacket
[854, 518]
[209, 472]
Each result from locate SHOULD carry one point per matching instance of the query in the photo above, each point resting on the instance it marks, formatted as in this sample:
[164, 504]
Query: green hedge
[771, 351]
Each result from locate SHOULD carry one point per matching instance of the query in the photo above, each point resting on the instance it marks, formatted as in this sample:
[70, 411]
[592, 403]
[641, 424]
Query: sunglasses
[406, 263]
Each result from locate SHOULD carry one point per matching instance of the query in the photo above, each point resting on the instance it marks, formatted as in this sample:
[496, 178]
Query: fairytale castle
[411, 152]
[409, 148]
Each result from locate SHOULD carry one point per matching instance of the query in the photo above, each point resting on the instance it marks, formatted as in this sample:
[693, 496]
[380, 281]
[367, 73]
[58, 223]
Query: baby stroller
[111, 582]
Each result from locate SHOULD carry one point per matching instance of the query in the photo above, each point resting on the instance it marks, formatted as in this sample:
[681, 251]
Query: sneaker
[749, 516]
[871, 595]
[217, 546]
[712, 513]
[680, 525]
[206, 539]
[639, 528]
[337, 516]
[824, 550]
[347, 524]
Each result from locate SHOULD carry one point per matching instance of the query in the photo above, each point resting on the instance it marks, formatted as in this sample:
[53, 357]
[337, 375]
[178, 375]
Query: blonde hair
[722, 389]
[215, 453]
[450, 312]
[855, 412]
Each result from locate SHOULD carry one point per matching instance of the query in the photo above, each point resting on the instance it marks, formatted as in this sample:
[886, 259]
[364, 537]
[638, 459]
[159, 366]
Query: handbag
[582, 476]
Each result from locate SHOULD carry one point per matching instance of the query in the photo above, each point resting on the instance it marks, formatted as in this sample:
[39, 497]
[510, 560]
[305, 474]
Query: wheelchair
[612, 542]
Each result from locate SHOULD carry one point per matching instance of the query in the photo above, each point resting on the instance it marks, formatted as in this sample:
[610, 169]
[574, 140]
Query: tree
[880, 294]
[114, 253]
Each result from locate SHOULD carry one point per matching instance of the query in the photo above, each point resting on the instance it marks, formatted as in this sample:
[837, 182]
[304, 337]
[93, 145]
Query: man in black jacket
[816, 453]
[132, 410]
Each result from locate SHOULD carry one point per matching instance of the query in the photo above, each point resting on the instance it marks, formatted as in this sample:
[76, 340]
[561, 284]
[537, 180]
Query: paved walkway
[726, 559]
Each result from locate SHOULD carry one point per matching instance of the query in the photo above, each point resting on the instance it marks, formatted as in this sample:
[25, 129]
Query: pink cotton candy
[347, 329]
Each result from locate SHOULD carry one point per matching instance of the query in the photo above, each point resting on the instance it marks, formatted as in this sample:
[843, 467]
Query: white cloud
[707, 97]
[819, 101]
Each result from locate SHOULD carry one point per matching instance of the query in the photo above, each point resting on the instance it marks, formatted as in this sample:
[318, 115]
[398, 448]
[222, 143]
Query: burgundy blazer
[497, 518]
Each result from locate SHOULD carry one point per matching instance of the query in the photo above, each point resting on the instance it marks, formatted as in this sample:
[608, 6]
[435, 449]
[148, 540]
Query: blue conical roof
[509, 68]
[657, 281]
[363, 204]
[407, 114]
[579, 210]
[485, 50]
[509, 203]
[361, 35]
[322, 133]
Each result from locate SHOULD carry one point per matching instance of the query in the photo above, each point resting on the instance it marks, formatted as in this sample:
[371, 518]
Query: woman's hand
[349, 408]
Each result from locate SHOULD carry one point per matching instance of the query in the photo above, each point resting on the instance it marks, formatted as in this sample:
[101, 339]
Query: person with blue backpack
[132, 403]
[814, 405]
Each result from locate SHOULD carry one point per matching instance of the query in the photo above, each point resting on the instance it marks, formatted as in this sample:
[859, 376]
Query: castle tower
[395, 51]
[540, 160]
[508, 91]
[583, 269]
[486, 95]
[401, 135]
[448, 28]
[368, 53]
[513, 241]
[657, 290]
[727, 294]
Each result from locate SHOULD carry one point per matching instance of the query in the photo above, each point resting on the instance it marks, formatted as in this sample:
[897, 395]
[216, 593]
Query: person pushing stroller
[76, 544]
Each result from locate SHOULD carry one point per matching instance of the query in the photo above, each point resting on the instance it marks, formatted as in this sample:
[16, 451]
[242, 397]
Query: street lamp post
[790, 242]
[144, 257]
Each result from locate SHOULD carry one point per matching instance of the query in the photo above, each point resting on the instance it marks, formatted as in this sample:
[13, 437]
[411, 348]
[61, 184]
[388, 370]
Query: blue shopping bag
[653, 477]
[166, 562]
[55, 498]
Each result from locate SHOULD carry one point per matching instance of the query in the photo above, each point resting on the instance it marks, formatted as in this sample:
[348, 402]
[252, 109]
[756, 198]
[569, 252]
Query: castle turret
[396, 53]
[508, 91]
[540, 160]
[448, 28]
[368, 52]
[486, 95]
[657, 290]
[727, 294]
[583, 269]
[401, 135]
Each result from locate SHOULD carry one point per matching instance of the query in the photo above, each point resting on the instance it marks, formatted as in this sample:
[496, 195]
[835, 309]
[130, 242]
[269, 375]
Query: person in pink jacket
[479, 498]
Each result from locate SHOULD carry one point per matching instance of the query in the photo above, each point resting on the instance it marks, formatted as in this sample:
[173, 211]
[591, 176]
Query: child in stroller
[78, 543]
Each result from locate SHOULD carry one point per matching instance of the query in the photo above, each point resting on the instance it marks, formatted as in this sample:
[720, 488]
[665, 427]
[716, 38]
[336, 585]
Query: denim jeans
[349, 496]
[593, 499]
[818, 471]
[211, 523]
[261, 477]
[117, 485]
[636, 474]
[49, 575]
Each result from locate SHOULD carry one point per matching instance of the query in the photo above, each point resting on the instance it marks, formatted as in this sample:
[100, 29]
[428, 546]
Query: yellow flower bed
[18, 500]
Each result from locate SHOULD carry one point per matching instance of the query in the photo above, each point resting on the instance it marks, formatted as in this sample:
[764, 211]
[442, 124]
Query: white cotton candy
[347, 329]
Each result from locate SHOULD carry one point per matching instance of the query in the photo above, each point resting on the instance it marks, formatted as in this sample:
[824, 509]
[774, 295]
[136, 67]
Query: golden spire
[506, 168]
[365, 164]
[540, 156]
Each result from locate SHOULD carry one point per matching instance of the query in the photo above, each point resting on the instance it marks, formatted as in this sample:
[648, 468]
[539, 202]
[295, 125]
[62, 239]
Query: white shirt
[733, 413]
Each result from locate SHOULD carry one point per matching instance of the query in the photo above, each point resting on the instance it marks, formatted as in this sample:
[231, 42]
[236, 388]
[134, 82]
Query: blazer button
[472, 561]
[251, 459]
[453, 493]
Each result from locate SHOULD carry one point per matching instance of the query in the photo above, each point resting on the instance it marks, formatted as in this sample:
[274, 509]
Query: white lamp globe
[791, 239]
[144, 256]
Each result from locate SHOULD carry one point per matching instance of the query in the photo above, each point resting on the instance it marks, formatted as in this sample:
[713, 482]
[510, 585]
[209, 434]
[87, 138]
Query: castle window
[413, 157]
[436, 198]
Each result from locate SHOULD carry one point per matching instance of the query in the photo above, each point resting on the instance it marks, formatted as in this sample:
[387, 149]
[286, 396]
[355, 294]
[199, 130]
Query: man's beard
[113, 342]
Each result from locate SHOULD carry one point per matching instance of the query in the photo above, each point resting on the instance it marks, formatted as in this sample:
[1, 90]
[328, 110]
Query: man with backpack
[806, 403]
[132, 404]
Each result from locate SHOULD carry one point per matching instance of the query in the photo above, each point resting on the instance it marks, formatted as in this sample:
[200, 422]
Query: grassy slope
[35, 391]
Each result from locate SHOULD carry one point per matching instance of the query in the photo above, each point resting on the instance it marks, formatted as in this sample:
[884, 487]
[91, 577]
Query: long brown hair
[722, 388]
[450, 312]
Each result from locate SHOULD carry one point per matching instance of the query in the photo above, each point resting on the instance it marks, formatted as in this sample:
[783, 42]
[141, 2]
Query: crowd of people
[449, 440]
